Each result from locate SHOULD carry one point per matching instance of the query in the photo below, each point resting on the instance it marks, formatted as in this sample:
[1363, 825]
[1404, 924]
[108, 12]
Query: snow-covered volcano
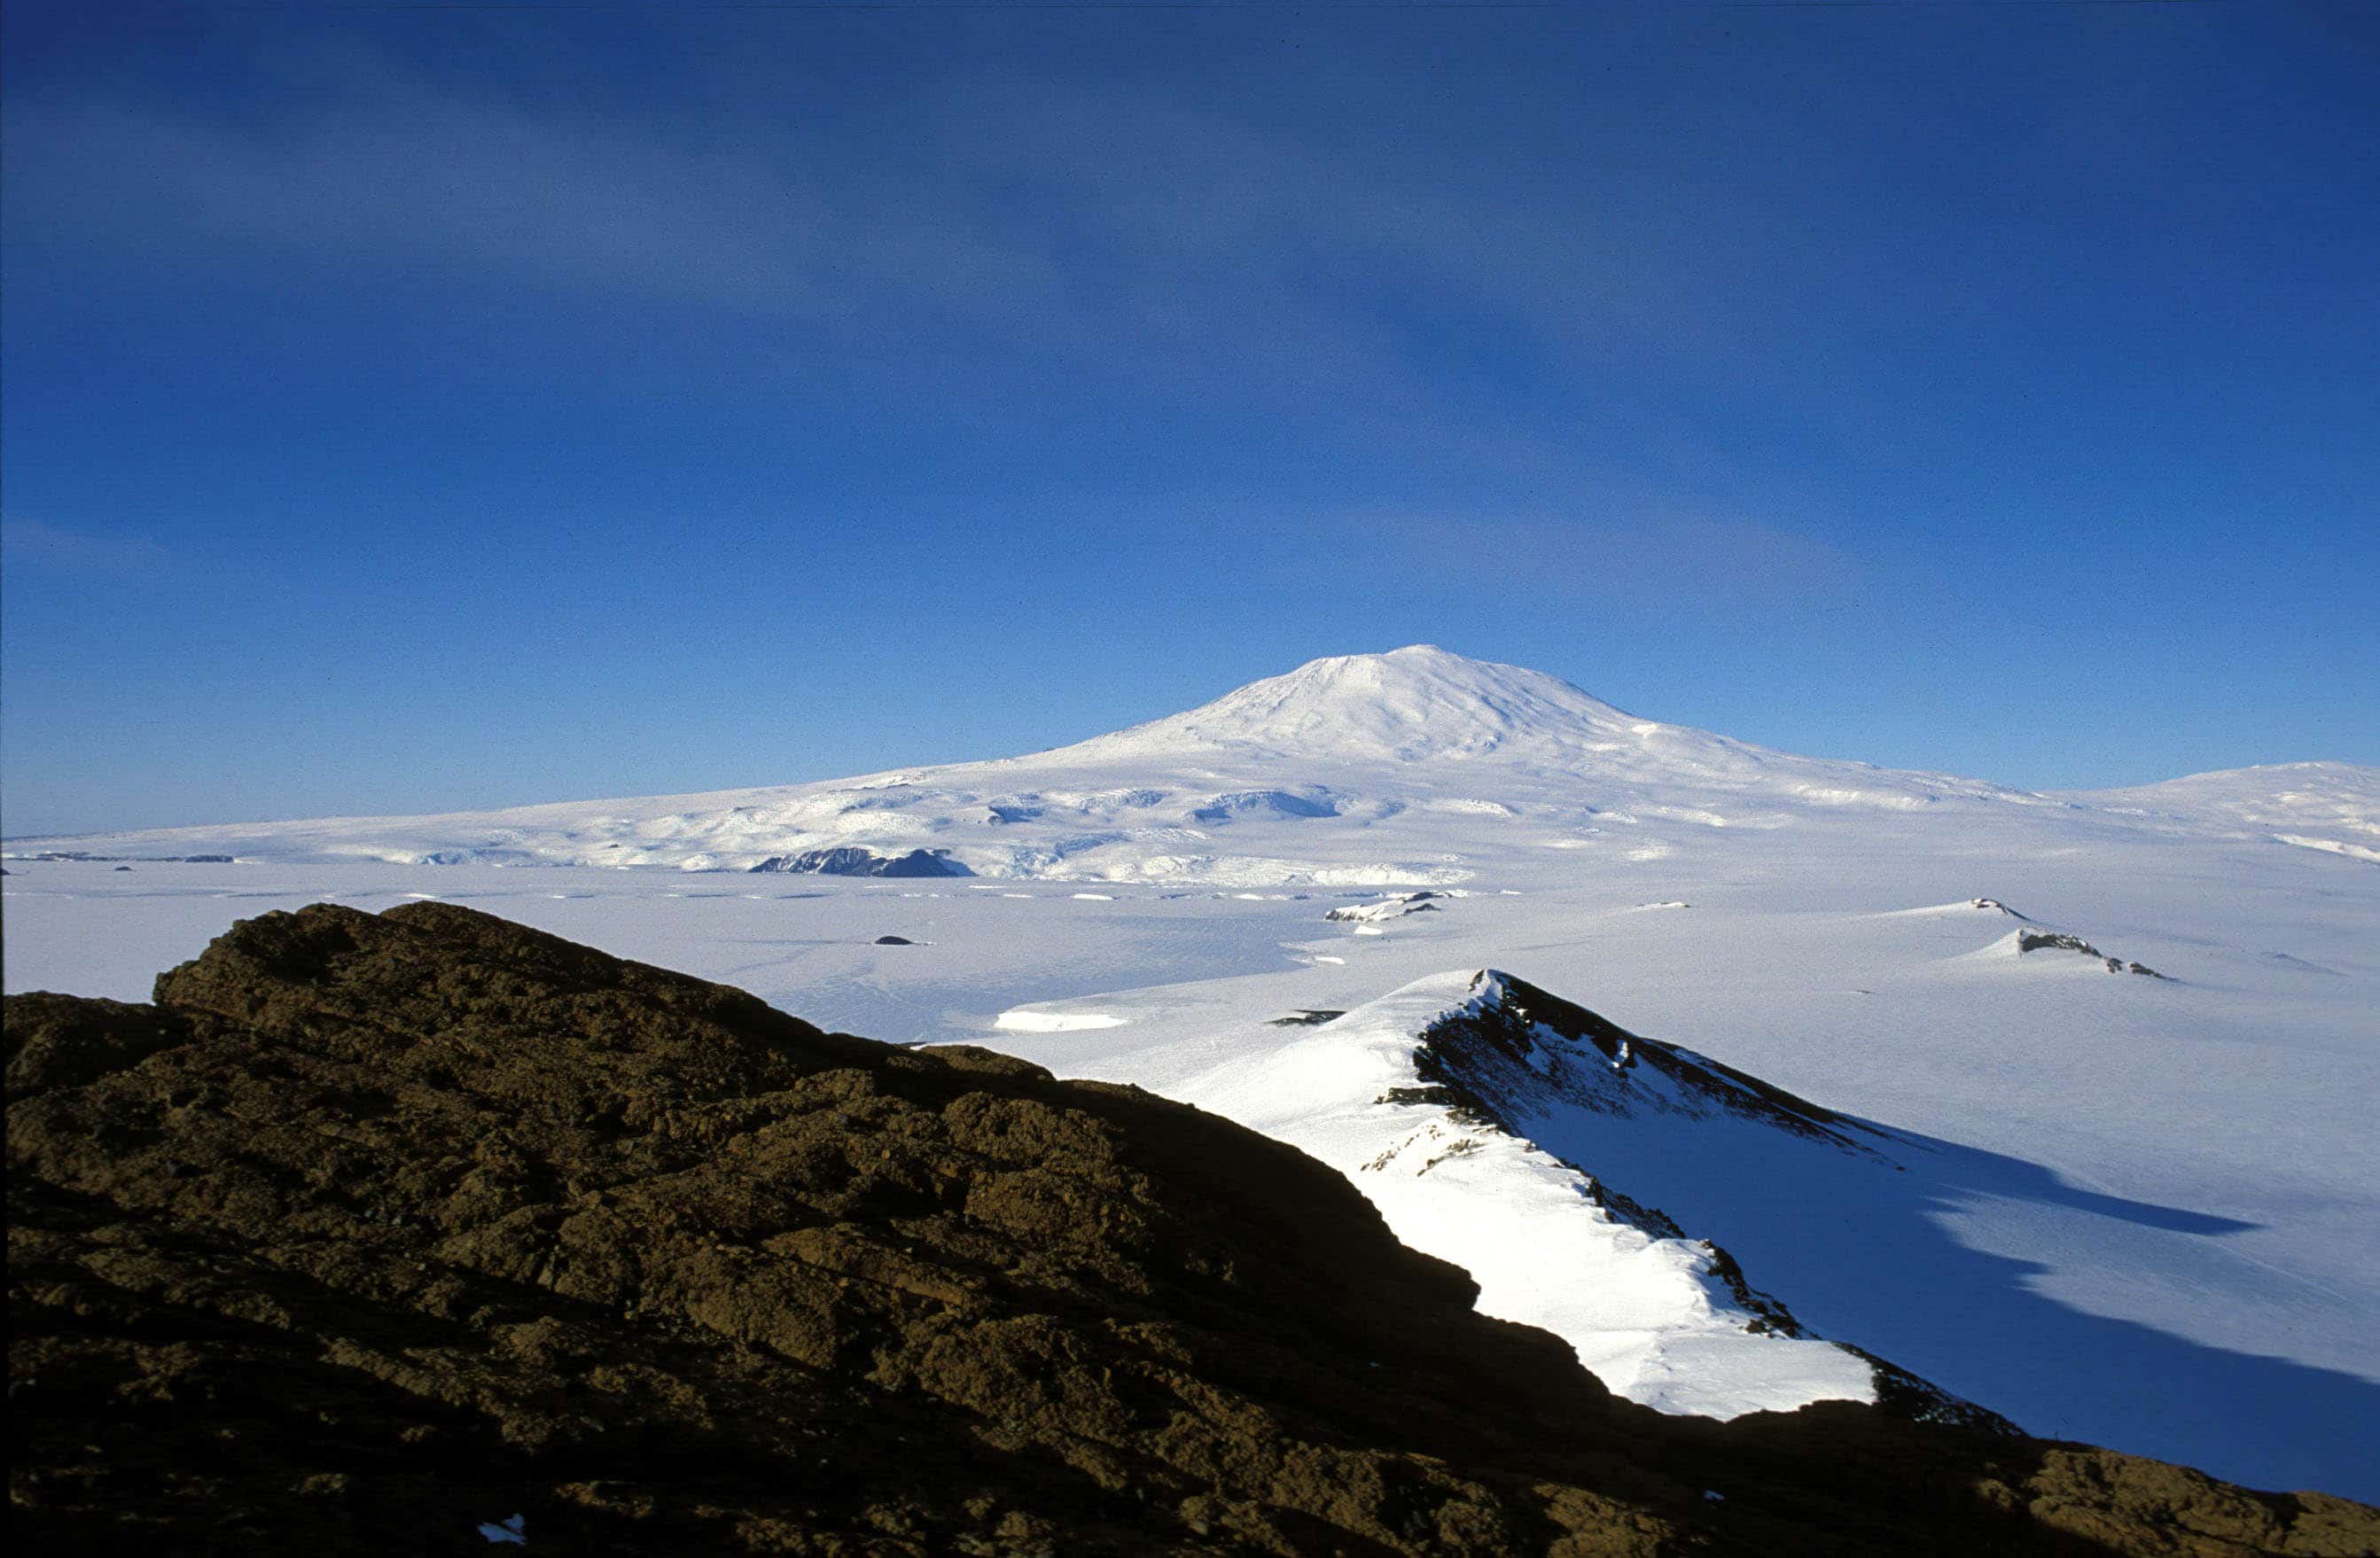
[1414, 768]
[1413, 705]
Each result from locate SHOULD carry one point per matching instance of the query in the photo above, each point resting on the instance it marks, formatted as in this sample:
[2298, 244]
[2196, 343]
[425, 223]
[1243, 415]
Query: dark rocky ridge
[373, 1228]
[851, 861]
[1497, 1062]
[80, 856]
[2035, 942]
[1388, 908]
[1519, 1053]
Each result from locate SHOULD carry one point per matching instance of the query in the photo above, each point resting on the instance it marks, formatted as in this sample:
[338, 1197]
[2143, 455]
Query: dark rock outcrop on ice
[1390, 908]
[373, 1230]
[83, 857]
[1520, 1049]
[849, 861]
[2035, 941]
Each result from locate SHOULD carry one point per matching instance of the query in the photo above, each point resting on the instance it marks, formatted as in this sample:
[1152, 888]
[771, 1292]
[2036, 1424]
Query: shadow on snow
[1869, 1254]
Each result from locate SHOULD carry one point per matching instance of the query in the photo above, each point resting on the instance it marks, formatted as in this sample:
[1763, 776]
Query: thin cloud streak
[1668, 561]
[35, 543]
[1124, 235]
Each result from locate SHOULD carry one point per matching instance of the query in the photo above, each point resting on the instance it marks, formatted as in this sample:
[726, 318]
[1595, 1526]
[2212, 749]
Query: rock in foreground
[377, 1230]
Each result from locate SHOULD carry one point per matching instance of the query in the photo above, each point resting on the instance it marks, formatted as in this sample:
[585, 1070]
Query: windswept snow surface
[2134, 1211]
[2332, 806]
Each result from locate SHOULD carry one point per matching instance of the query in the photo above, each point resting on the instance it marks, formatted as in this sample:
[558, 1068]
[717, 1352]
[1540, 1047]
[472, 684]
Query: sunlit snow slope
[1468, 1108]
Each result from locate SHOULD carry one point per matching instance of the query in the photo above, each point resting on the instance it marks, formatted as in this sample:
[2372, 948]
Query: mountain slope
[1413, 767]
[382, 1232]
[2329, 806]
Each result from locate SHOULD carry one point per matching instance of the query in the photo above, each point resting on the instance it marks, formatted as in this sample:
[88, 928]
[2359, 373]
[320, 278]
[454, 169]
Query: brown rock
[374, 1228]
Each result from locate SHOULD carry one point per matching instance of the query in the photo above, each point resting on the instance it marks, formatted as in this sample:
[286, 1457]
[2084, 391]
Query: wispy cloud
[1040, 240]
[1661, 557]
[440, 181]
[35, 543]
[1127, 232]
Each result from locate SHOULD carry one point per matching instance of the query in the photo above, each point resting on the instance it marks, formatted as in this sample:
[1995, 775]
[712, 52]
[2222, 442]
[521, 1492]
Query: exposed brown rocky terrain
[376, 1228]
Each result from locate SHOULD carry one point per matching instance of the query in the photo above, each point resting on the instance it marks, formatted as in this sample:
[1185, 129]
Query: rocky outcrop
[375, 1232]
[2059, 942]
[1390, 908]
[83, 857]
[850, 861]
[1515, 1051]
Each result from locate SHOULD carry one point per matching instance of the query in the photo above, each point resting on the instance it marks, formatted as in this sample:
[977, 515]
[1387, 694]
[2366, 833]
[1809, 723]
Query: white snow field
[2132, 1210]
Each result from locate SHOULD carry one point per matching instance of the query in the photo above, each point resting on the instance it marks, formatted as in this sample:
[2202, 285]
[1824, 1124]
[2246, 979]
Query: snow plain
[2132, 1211]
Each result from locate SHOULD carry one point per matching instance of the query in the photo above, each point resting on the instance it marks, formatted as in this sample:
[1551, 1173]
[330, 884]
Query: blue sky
[409, 409]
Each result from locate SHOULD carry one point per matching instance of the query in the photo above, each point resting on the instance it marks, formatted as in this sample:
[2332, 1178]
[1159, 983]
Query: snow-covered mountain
[1911, 1093]
[1411, 768]
[1411, 705]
